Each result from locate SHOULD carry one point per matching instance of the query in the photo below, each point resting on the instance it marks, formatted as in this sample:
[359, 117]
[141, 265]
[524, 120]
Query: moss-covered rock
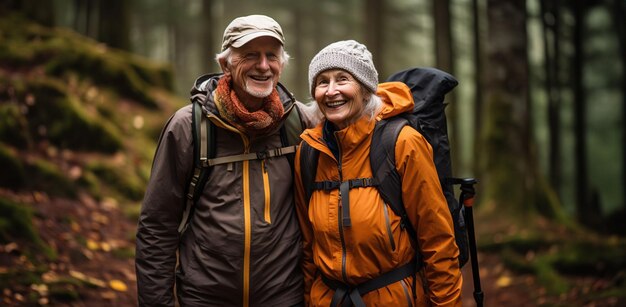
[61, 51]
[47, 177]
[123, 180]
[55, 115]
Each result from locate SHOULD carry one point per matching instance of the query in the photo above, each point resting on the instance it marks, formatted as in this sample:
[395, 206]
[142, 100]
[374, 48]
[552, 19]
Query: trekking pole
[467, 199]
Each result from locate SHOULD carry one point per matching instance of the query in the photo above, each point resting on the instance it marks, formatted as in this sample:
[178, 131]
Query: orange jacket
[375, 243]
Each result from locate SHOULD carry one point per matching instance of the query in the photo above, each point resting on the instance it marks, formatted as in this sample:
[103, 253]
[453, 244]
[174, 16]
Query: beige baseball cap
[244, 29]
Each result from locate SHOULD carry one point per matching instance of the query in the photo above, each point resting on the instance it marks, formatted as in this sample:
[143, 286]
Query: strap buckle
[329, 185]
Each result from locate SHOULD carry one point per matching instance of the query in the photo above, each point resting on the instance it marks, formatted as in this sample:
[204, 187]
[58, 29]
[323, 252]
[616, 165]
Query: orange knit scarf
[255, 123]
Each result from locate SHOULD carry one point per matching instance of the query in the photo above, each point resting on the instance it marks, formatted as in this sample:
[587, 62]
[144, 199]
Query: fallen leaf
[82, 277]
[42, 289]
[105, 246]
[503, 281]
[49, 277]
[138, 122]
[118, 285]
[92, 245]
[75, 226]
[99, 218]
[11, 247]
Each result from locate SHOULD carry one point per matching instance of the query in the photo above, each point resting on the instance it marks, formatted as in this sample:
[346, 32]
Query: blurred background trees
[556, 66]
[538, 116]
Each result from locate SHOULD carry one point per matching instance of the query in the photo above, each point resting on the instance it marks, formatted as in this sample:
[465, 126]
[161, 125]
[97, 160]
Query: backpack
[203, 132]
[428, 88]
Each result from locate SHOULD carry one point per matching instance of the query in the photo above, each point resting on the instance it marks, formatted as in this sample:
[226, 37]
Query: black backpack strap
[352, 294]
[203, 132]
[383, 163]
[344, 190]
[308, 168]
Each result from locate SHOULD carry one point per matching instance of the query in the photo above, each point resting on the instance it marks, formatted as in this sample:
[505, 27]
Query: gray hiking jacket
[242, 246]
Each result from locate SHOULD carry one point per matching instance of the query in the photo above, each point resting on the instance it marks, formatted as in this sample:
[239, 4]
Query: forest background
[537, 118]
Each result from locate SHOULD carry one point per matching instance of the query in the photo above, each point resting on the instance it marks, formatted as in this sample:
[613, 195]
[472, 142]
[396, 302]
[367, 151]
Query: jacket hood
[204, 86]
[396, 98]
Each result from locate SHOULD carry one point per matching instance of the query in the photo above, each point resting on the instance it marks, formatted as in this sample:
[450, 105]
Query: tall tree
[444, 60]
[208, 43]
[550, 19]
[506, 168]
[40, 11]
[619, 13]
[374, 28]
[114, 23]
[84, 21]
[479, 75]
[300, 10]
[584, 209]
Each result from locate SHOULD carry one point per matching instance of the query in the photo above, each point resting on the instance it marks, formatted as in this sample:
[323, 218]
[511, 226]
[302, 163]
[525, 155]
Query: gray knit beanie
[348, 55]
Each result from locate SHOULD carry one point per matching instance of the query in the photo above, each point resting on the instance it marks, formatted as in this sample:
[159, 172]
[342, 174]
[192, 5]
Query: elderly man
[241, 246]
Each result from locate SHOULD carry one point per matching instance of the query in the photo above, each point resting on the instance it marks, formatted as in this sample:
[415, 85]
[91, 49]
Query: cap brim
[247, 38]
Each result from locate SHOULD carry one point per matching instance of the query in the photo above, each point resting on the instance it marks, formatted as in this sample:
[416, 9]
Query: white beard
[260, 94]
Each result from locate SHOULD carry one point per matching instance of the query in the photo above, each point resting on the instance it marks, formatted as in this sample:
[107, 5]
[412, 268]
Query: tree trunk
[374, 13]
[444, 58]
[479, 78]
[583, 208]
[550, 19]
[619, 11]
[208, 44]
[506, 169]
[114, 24]
[301, 64]
[41, 11]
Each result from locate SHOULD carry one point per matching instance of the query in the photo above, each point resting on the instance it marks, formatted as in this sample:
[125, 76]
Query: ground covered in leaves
[94, 243]
[92, 263]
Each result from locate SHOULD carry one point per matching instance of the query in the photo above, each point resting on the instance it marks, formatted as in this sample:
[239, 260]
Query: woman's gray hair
[372, 107]
[226, 54]
[373, 104]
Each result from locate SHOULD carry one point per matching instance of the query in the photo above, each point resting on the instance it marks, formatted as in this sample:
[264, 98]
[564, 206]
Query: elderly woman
[372, 259]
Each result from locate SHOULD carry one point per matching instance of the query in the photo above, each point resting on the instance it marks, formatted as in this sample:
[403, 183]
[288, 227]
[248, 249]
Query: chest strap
[350, 295]
[204, 163]
[251, 156]
[344, 193]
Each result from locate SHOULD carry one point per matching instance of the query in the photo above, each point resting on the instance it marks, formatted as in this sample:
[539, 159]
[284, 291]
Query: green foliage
[587, 258]
[124, 253]
[132, 211]
[18, 276]
[121, 179]
[552, 260]
[16, 223]
[90, 182]
[46, 176]
[13, 126]
[38, 174]
[12, 175]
